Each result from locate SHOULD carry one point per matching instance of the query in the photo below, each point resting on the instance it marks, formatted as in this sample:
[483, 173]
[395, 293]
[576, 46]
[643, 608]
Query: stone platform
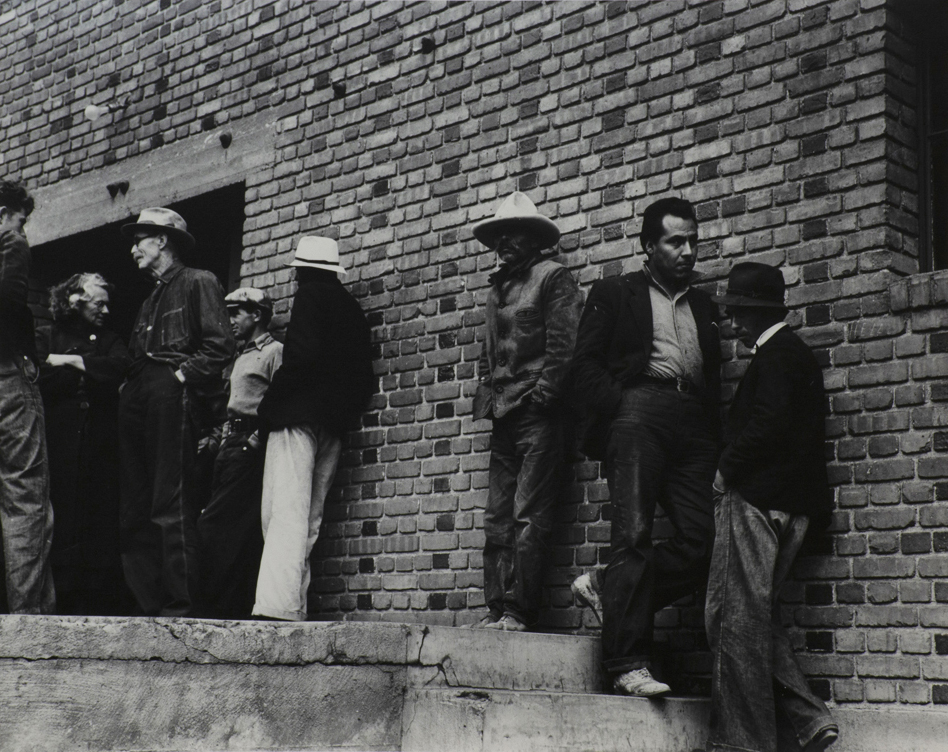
[95, 684]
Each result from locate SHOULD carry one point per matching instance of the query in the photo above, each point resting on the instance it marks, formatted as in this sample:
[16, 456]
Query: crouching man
[770, 483]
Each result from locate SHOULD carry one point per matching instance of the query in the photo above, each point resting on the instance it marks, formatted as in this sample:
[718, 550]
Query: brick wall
[789, 123]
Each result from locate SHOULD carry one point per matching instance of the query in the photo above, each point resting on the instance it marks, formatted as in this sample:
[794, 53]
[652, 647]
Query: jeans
[159, 506]
[299, 470]
[229, 529]
[26, 515]
[661, 451]
[754, 669]
[526, 469]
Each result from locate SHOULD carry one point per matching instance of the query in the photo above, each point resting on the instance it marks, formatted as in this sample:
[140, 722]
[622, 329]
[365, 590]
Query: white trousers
[299, 469]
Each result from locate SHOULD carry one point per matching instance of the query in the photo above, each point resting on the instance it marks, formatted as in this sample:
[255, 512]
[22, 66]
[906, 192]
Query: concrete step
[95, 684]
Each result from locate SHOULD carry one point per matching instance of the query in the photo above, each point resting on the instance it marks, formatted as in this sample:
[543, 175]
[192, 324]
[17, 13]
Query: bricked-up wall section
[790, 123]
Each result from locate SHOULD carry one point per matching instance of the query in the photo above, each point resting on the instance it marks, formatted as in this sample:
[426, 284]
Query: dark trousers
[754, 670]
[526, 468]
[158, 452]
[230, 530]
[662, 452]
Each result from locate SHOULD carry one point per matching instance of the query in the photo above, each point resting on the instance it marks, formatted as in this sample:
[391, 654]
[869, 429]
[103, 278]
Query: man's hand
[719, 485]
[58, 360]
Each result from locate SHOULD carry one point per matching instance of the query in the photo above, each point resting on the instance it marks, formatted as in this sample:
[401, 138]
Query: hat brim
[181, 236]
[742, 301]
[313, 265]
[545, 230]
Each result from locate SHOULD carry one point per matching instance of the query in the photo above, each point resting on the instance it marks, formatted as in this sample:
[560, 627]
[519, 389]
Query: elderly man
[26, 515]
[325, 381]
[229, 526]
[647, 369]
[771, 482]
[533, 307]
[179, 348]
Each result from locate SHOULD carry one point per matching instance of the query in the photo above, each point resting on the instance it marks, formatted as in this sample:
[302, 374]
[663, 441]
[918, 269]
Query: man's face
[146, 251]
[12, 219]
[242, 322]
[513, 246]
[672, 256]
[95, 307]
[746, 324]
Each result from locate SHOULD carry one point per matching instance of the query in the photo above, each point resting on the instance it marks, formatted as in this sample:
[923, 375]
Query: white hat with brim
[517, 212]
[317, 253]
[158, 219]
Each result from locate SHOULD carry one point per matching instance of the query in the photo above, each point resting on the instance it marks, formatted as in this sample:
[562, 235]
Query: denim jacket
[532, 316]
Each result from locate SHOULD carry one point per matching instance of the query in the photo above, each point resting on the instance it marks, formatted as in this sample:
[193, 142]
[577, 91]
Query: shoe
[508, 623]
[483, 623]
[584, 590]
[822, 740]
[639, 683]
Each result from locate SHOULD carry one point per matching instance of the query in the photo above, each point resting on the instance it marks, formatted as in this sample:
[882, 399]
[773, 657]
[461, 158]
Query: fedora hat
[159, 219]
[517, 212]
[753, 285]
[317, 253]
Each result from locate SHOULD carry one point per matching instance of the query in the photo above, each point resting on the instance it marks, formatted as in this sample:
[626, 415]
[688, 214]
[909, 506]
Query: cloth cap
[249, 296]
[753, 285]
[163, 220]
[317, 253]
[517, 212]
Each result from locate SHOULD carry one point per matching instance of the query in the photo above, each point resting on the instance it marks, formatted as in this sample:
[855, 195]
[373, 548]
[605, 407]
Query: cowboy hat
[158, 219]
[517, 212]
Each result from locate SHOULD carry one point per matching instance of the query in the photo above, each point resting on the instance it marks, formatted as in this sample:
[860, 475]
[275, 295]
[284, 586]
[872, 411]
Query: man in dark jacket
[533, 308]
[179, 348]
[325, 381]
[646, 368]
[771, 481]
[26, 515]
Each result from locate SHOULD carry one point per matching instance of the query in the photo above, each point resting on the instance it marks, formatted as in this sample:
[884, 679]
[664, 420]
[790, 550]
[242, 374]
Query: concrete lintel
[159, 177]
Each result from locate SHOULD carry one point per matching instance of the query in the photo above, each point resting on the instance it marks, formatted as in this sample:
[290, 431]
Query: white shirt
[767, 334]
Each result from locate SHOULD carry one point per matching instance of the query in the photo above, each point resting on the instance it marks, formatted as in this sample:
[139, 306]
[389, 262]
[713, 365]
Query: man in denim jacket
[533, 310]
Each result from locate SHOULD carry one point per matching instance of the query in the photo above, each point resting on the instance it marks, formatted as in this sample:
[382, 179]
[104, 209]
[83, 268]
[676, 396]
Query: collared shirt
[251, 376]
[184, 324]
[767, 334]
[676, 351]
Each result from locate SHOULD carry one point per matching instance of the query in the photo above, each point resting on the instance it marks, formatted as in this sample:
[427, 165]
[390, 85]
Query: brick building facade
[395, 126]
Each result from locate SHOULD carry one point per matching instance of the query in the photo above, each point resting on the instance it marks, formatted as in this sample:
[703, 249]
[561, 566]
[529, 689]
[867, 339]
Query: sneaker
[483, 623]
[584, 589]
[508, 623]
[639, 683]
[822, 740]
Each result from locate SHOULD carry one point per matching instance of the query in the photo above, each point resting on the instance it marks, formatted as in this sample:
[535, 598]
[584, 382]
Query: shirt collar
[171, 272]
[506, 271]
[258, 343]
[692, 278]
[767, 334]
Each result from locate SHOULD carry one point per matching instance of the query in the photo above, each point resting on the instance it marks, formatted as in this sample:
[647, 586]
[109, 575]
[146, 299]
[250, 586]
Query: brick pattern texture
[789, 123]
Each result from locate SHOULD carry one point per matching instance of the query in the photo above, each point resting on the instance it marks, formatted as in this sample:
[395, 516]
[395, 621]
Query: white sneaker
[639, 683]
[584, 589]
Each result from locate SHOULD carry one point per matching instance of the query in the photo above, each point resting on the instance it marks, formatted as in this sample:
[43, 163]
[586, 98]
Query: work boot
[823, 739]
[639, 683]
[584, 589]
[508, 623]
[483, 622]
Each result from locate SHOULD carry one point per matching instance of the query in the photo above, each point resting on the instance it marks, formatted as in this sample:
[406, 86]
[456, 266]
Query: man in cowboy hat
[179, 348]
[26, 515]
[325, 381]
[770, 483]
[647, 370]
[533, 308]
[229, 525]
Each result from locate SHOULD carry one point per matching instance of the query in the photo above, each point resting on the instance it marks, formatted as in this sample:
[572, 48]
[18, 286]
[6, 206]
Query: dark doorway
[215, 219]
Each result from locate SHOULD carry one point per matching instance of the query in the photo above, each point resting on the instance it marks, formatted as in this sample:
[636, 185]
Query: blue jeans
[26, 514]
[661, 452]
[754, 670]
[526, 466]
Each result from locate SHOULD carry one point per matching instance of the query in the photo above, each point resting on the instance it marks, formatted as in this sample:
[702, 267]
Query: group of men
[280, 422]
[642, 362]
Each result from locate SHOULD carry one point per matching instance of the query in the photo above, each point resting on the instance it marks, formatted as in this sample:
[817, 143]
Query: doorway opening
[215, 219]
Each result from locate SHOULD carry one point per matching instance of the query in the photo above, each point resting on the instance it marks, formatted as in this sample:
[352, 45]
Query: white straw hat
[517, 212]
[317, 253]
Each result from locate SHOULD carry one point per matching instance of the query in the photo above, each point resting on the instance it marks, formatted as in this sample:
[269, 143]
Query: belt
[240, 425]
[677, 383]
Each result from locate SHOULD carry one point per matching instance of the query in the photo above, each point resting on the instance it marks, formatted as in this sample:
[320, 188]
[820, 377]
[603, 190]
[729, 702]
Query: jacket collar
[170, 273]
[509, 271]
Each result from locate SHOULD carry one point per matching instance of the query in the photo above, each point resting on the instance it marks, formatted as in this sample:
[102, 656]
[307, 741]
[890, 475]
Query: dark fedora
[753, 285]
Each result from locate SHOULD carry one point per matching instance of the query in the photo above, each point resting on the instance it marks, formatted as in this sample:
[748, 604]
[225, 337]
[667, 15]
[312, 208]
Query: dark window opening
[215, 219]
[930, 19]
